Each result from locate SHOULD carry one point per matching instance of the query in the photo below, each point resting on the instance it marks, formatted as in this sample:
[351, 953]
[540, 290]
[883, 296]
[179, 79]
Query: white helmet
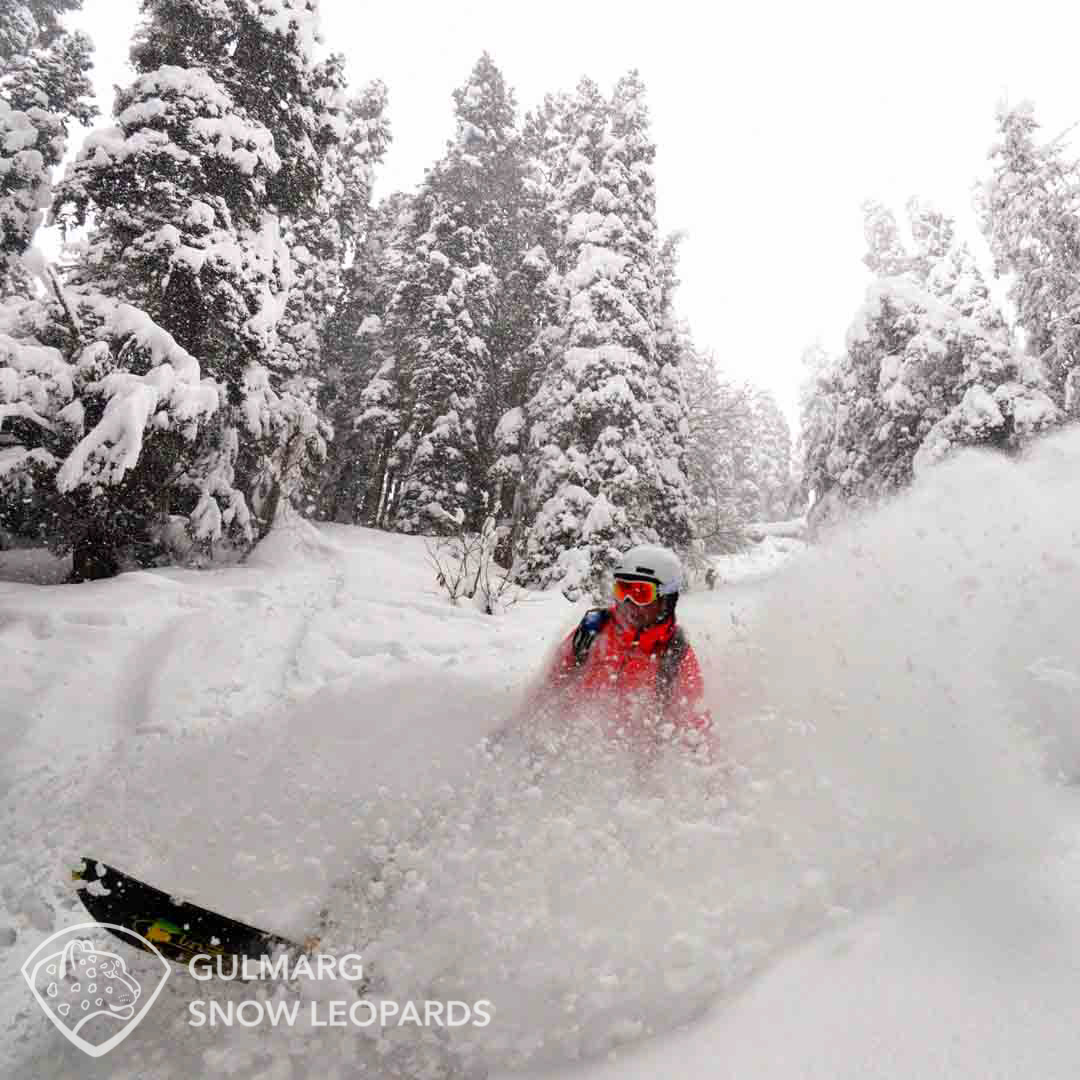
[647, 562]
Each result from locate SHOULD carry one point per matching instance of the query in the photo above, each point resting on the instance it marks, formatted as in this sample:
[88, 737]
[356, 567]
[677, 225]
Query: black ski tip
[92, 870]
[178, 929]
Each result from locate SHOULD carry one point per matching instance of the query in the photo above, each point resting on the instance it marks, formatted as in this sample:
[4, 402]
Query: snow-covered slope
[878, 859]
[973, 975]
[251, 737]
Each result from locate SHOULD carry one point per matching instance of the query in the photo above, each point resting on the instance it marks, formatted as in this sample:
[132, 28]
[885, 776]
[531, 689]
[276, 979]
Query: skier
[631, 664]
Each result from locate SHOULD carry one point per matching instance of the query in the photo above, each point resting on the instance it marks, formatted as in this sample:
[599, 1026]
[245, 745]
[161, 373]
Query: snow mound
[33, 566]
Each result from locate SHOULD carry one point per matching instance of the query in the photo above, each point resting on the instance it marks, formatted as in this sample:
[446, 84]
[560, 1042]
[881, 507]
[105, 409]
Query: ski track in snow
[162, 735]
[303, 731]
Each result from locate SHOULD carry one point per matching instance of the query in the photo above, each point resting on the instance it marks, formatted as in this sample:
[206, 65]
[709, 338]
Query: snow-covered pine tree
[526, 310]
[607, 425]
[870, 449]
[448, 326]
[771, 456]
[736, 458]
[365, 406]
[886, 255]
[675, 353]
[536, 292]
[331, 252]
[672, 336]
[219, 140]
[323, 238]
[44, 86]
[719, 449]
[928, 366]
[72, 426]
[1029, 211]
[547, 134]
[671, 495]
[972, 386]
[999, 395]
[518, 212]
[819, 397]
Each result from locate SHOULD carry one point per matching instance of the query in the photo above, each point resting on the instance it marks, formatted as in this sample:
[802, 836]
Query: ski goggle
[641, 593]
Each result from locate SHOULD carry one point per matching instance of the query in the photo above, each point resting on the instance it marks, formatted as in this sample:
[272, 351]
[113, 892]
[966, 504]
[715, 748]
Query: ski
[178, 929]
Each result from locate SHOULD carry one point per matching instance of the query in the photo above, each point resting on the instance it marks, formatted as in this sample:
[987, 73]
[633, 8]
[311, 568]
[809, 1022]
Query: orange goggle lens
[637, 592]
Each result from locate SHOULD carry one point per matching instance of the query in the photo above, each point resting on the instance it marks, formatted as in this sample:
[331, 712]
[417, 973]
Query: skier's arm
[561, 667]
[564, 664]
[568, 658]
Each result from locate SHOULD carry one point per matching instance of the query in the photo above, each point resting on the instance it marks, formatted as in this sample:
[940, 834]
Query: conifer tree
[771, 456]
[819, 396]
[719, 454]
[928, 366]
[324, 237]
[1029, 214]
[363, 387]
[607, 426]
[73, 424]
[218, 145]
[536, 315]
[333, 252]
[44, 86]
[448, 325]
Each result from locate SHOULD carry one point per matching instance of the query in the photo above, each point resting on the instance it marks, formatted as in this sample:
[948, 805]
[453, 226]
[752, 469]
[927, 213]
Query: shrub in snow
[466, 568]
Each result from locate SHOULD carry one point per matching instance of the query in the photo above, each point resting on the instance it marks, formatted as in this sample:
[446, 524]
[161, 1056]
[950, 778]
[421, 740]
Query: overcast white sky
[773, 122]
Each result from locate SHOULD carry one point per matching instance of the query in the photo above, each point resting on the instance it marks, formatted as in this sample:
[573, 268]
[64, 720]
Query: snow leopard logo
[86, 989]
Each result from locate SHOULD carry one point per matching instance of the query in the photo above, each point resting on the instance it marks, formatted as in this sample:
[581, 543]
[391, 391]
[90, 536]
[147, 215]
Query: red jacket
[642, 693]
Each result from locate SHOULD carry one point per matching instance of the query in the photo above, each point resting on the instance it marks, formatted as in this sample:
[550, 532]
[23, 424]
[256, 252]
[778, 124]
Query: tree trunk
[94, 557]
[373, 490]
[270, 509]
